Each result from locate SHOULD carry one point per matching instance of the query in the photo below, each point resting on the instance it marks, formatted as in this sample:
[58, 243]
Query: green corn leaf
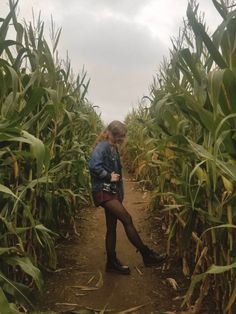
[31, 36]
[14, 287]
[6, 190]
[223, 226]
[32, 103]
[200, 31]
[223, 167]
[42, 228]
[57, 40]
[221, 9]
[231, 299]
[37, 147]
[20, 292]
[191, 63]
[6, 22]
[4, 305]
[40, 38]
[19, 58]
[214, 269]
[12, 75]
[85, 90]
[38, 150]
[215, 81]
[4, 250]
[228, 99]
[26, 265]
[7, 43]
[19, 35]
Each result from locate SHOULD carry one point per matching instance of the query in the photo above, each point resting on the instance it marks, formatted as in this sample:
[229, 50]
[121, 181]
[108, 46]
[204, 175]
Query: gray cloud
[124, 7]
[120, 43]
[113, 43]
[121, 59]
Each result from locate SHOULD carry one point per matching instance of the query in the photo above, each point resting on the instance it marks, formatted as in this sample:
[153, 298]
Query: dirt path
[82, 261]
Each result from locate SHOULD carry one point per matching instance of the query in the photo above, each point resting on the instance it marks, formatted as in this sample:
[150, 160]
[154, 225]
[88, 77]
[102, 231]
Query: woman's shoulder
[104, 144]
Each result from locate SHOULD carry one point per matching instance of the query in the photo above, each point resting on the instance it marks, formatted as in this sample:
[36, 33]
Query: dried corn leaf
[138, 270]
[173, 283]
[132, 309]
[180, 297]
[67, 304]
[90, 280]
[99, 284]
[85, 288]
[186, 270]
[100, 311]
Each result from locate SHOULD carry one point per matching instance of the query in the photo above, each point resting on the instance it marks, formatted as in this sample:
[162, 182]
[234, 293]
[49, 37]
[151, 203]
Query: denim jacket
[101, 164]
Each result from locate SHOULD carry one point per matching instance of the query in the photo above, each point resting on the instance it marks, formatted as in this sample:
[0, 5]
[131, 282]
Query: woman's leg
[113, 264]
[150, 257]
[111, 223]
[116, 208]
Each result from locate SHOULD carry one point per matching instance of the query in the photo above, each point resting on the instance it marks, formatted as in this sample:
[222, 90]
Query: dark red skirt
[101, 197]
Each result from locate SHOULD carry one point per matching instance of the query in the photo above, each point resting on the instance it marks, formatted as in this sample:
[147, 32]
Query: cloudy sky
[119, 42]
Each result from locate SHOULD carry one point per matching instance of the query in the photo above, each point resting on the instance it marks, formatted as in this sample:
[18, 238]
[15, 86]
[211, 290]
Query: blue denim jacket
[101, 164]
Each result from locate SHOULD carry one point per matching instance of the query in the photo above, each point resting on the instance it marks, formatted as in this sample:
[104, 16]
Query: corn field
[183, 148]
[44, 146]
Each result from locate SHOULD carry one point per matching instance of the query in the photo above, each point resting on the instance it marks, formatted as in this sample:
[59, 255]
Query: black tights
[114, 210]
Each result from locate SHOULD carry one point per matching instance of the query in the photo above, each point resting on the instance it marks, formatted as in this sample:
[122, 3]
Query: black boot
[113, 265]
[151, 258]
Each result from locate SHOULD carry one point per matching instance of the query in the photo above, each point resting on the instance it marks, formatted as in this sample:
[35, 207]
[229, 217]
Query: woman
[107, 189]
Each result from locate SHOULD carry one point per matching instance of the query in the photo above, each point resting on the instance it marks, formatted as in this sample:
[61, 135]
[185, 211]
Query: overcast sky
[121, 43]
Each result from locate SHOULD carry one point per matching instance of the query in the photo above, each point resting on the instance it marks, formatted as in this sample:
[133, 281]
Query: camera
[110, 187]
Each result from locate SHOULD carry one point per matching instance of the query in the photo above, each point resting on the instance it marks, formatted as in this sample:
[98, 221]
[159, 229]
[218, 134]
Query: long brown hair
[115, 128]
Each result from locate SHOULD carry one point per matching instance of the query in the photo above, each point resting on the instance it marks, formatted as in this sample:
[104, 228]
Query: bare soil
[80, 281]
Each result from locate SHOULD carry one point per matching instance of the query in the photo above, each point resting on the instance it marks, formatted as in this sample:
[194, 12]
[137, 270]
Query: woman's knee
[127, 219]
[119, 211]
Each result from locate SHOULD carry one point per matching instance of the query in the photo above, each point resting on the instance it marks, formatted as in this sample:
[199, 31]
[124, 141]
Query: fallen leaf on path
[99, 284]
[138, 270]
[91, 279]
[157, 218]
[173, 283]
[99, 310]
[180, 297]
[104, 309]
[85, 288]
[144, 195]
[163, 226]
[189, 311]
[67, 304]
[132, 309]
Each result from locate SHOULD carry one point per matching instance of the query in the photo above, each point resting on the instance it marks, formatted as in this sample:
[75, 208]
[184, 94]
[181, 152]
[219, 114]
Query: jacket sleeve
[96, 164]
[121, 184]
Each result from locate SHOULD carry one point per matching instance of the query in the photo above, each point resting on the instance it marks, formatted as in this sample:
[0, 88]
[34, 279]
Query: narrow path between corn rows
[80, 281]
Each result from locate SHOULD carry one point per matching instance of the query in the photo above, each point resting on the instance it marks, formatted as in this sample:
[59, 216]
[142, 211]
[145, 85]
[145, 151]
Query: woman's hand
[115, 177]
